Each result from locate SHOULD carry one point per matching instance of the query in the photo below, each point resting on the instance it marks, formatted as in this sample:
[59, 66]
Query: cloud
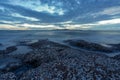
[111, 11]
[11, 27]
[37, 26]
[9, 22]
[2, 9]
[108, 22]
[24, 17]
[38, 6]
[58, 14]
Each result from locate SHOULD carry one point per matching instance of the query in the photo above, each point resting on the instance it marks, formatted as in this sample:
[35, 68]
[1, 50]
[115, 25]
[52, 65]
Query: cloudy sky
[60, 14]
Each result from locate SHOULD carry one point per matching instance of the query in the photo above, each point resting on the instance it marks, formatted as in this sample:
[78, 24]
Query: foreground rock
[8, 76]
[53, 61]
[0, 44]
[117, 57]
[9, 64]
[44, 51]
[83, 67]
[8, 50]
[89, 46]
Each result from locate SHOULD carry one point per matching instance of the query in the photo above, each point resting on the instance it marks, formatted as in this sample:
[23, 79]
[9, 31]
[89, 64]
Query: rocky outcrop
[89, 46]
[9, 64]
[0, 44]
[44, 51]
[86, 67]
[8, 50]
[8, 76]
[53, 61]
[117, 57]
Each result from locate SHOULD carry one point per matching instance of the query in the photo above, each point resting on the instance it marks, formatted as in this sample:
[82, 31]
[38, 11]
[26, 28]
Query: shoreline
[45, 56]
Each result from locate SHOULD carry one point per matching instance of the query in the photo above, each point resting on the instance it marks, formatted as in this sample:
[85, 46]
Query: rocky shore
[48, 60]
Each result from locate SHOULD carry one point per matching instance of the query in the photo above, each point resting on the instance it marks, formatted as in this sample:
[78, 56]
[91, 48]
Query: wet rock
[54, 61]
[2, 51]
[86, 67]
[0, 44]
[89, 46]
[44, 51]
[10, 49]
[9, 64]
[8, 76]
[46, 44]
[36, 58]
[117, 57]
[116, 46]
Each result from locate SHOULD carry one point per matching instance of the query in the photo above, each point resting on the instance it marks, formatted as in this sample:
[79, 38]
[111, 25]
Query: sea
[9, 37]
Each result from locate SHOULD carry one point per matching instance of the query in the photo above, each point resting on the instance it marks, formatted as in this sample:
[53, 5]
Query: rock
[89, 46]
[26, 42]
[86, 67]
[8, 76]
[44, 51]
[9, 64]
[116, 46]
[36, 58]
[46, 44]
[10, 49]
[2, 52]
[117, 57]
[54, 61]
[0, 44]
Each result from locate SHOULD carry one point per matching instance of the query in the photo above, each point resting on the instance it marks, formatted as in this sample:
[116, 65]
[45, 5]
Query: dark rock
[8, 76]
[9, 64]
[89, 46]
[89, 67]
[46, 43]
[117, 57]
[44, 51]
[10, 49]
[116, 46]
[0, 44]
[2, 51]
[37, 58]
[54, 61]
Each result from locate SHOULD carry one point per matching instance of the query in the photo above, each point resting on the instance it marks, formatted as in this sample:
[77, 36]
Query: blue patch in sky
[59, 14]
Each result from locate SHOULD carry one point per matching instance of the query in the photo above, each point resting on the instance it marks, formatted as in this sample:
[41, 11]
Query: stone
[10, 49]
[9, 64]
[89, 46]
[0, 44]
[8, 76]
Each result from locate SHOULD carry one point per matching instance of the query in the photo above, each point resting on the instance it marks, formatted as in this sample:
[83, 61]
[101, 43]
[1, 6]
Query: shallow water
[8, 38]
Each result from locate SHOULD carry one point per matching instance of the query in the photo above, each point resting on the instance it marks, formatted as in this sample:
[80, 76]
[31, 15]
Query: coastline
[47, 59]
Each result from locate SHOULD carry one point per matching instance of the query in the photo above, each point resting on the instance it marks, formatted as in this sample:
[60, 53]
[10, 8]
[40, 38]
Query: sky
[59, 14]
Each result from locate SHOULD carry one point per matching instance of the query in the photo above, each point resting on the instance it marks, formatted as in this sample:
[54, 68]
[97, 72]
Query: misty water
[8, 38]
